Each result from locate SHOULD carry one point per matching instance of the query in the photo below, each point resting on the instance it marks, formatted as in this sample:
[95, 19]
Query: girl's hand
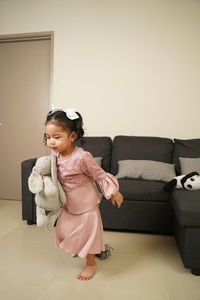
[118, 198]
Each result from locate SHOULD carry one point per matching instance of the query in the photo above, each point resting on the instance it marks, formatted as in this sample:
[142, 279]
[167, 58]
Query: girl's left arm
[107, 182]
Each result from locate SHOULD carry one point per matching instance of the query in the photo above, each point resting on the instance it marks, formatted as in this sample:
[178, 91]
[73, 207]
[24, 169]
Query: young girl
[79, 227]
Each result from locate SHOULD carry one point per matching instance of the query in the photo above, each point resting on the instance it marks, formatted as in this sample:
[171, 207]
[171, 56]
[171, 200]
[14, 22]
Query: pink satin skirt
[80, 234]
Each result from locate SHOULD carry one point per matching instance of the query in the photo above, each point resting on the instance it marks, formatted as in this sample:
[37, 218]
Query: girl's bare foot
[89, 270]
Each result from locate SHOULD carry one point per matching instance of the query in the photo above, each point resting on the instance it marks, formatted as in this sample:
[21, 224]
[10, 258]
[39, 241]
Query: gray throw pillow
[189, 165]
[98, 160]
[146, 169]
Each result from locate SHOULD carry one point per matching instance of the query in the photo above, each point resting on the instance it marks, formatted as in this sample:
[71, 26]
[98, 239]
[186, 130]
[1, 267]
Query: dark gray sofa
[146, 207]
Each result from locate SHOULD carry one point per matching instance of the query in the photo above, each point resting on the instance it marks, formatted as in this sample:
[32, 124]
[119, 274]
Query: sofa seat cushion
[186, 206]
[144, 190]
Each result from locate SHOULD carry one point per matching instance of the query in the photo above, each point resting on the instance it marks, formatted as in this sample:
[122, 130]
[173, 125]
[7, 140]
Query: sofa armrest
[28, 199]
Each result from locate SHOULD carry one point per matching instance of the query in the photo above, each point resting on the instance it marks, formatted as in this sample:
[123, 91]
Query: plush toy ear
[186, 177]
[53, 169]
[170, 185]
[35, 181]
[61, 193]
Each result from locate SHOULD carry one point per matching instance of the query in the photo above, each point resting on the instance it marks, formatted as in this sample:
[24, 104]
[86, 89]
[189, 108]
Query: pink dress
[79, 228]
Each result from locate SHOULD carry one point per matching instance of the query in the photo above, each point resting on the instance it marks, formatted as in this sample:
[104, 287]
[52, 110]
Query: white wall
[130, 67]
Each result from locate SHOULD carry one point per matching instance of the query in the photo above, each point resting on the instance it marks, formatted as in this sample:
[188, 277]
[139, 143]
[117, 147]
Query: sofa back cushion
[141, 148]
[99, 147]
[185, 148]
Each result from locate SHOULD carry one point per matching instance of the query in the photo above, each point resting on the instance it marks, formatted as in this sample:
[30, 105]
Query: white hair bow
[70, 112]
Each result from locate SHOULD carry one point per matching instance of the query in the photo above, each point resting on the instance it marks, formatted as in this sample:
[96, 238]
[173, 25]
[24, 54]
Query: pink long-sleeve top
[78, 174]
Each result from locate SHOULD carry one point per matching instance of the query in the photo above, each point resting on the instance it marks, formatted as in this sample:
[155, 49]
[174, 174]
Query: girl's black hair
[60, 118]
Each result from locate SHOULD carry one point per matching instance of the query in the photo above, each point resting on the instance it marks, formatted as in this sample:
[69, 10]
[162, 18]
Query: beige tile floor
[142, 266]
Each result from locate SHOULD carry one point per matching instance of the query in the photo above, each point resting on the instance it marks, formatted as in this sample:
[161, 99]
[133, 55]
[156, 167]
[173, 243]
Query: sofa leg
[29, 222]
[195, 272]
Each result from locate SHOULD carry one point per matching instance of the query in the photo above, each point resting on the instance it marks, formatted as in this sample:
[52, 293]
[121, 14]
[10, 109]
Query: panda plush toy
[190, 182]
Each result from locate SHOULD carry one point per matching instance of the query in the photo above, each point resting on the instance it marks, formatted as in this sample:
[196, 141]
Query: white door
[24, 103]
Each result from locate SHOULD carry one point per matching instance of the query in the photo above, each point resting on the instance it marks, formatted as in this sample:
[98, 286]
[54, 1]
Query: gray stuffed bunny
[49, 196]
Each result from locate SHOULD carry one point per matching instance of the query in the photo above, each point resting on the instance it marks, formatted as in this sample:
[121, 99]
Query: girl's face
[59, 140]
